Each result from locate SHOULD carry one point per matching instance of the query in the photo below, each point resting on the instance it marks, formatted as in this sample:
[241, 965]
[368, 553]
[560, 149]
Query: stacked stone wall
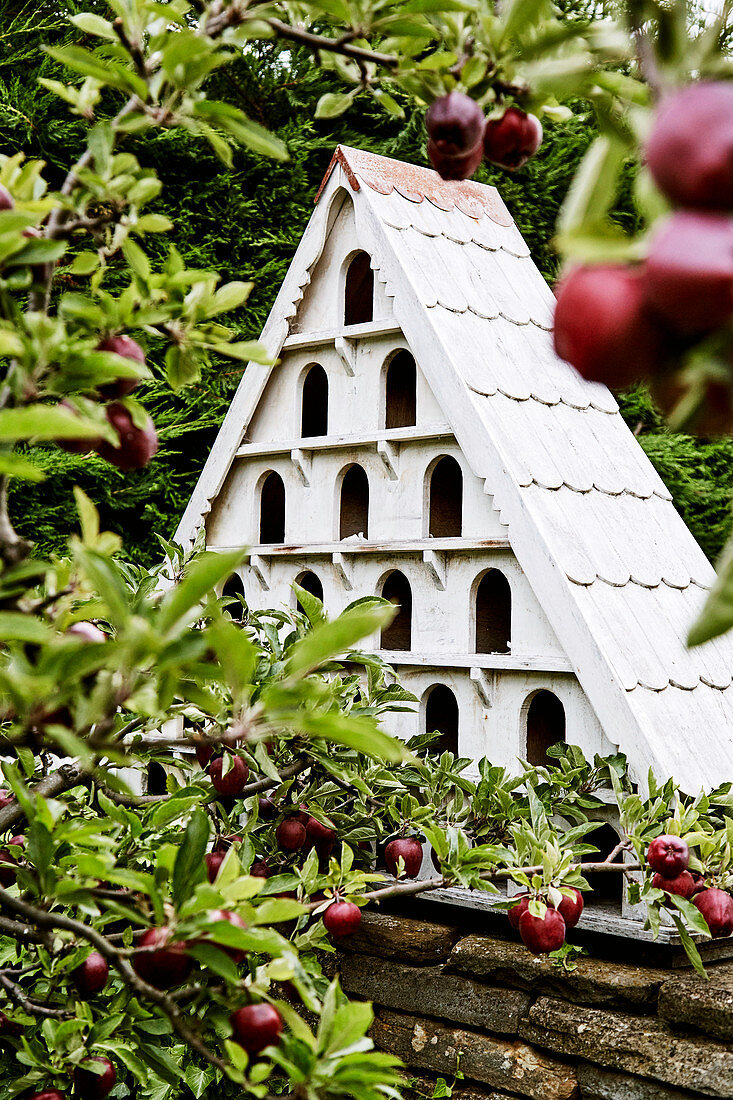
[517, 1026]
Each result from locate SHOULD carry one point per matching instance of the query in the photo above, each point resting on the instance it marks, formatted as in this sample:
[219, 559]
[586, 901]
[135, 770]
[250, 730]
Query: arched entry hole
[400, 392]
[272, 509]
[493, 613]
[156, 778]
[311, 583]
[234, 590]
[446, 499]
[359, 291]
[441, 713]
[545, 726]
[354, 512]
[314, 411]
[398, 635]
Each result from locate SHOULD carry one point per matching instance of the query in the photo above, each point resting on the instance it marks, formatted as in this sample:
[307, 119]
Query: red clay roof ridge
[415, 183]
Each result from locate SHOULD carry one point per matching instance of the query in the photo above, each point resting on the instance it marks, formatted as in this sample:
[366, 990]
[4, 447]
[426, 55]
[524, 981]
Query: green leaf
[13, 465]
[689, 945]
[106, 578]
[594, 186]
[94, 24]
[243, 129]
[45, 422]
[214, 959]
[190, 868]
[362, 734]
[199, 580]
[106, 72]
[333, 638]
[717, 614]
[15, 626]
[333, 104]
[85, 263]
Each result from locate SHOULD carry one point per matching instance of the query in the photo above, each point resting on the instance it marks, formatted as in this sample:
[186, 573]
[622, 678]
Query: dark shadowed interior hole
[311, 583]
[441, 713]
[493, 613]
[234, 589]
[545, 726]
[272, 509]
[314, 419]
[359, 294]
[398, 635]
[446, 499]
[354, 503]
[401, 392]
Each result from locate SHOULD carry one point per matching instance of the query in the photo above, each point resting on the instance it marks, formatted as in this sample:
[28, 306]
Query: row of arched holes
[493, 609]
[445, 496]
[400, 397]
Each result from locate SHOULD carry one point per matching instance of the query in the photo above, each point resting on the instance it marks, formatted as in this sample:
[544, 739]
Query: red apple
[668, 855]
[166, 967]
[268, 810]
[690, 149]
[411, 851]
[92, 975]
[128, 349]
[234, 953]
[204, 754]
[516, 911]
[682, 884]
[213, 861]
[47, 1094]
[256, 1027]
[571, 909]
[6, 798]
[604, 327]
[87, 632]
[342, 918]
[455, 125]
[6, 199]
[688, 276]
[511, 140]
[235, 780]
[290, 834]
[9, 862]
[716, 907]
[260, 869]
[95, 1086]
[136, 445]
[9, 1027]
[542, 934]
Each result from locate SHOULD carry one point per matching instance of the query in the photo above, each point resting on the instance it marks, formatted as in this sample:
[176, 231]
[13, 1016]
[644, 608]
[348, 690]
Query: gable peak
[415, 183]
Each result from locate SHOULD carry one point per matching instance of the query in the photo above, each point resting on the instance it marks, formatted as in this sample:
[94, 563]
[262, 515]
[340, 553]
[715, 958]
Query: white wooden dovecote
[557, 495]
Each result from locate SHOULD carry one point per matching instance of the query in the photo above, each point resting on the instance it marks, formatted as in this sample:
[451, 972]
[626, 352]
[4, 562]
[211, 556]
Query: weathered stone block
[603, 1084]
[401, 938]
[499, 1063]
[694, 1002]
[638, 1045]
[594, 981]
[429, 991]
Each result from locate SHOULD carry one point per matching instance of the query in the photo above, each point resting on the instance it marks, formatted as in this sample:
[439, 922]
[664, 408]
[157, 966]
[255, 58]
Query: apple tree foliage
[285, 702]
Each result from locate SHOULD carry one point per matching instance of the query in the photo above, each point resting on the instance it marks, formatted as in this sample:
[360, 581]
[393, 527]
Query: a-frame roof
[592, 525]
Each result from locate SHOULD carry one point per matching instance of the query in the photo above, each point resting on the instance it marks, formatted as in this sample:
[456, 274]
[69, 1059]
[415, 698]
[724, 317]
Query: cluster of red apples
[617, 323]
[460, 137]
[136, 445]
[669, 858]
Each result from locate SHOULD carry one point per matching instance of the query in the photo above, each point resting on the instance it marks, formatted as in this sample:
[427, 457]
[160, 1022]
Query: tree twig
[342, 45]
[30, 1006]
[43, 919]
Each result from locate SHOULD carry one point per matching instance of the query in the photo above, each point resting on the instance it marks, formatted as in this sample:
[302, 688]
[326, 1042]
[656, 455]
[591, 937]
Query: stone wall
[446, 995]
